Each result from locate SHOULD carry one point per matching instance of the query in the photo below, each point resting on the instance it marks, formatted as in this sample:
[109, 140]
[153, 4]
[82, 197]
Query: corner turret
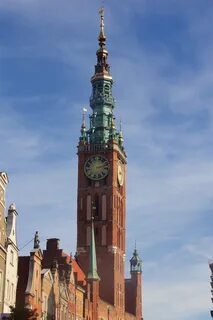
[135, 263]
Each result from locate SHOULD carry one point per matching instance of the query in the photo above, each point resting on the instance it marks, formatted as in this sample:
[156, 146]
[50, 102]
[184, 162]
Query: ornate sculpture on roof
[36, 241]
[12, 207]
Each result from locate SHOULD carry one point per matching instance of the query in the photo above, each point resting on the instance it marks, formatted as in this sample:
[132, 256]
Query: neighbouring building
[51, 282]
[3, 237]
[211, 277]
[11, 275]
[71, 281]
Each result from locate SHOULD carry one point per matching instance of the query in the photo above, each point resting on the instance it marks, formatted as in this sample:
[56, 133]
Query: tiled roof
[80, 274]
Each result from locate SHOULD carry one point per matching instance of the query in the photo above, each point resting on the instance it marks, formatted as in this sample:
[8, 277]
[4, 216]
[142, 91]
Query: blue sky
[161, 61]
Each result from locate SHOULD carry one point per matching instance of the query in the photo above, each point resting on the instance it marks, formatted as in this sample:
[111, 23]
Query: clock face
[120, 173]
[96, 167]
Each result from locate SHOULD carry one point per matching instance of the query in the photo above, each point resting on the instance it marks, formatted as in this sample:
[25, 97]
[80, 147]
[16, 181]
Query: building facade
[11, 274]
[211, 277]
[51, 283]
[3, 237]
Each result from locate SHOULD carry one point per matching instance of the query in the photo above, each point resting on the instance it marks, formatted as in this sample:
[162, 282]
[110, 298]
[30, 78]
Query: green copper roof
[92, 274]
[102, 128]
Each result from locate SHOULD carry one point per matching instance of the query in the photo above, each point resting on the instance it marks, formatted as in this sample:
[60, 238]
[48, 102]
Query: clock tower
[102, 185]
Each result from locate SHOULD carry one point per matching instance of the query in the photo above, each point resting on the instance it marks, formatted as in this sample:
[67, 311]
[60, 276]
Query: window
[88, 207]
[103, 237]
[11, 257]
[8, 290]
[96, 236]
[96, 207]
[88, 236]
[1, 284]
[45, 304]
[12, 292]
[81, 203]
[103, 207]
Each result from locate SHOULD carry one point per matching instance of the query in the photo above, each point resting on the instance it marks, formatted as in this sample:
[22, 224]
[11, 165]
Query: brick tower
[102, 186]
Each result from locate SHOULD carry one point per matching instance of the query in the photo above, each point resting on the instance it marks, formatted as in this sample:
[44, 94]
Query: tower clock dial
[96, 167]
[120, 173]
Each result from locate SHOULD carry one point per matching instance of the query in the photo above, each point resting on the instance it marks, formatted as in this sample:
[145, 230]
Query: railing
[95, 147]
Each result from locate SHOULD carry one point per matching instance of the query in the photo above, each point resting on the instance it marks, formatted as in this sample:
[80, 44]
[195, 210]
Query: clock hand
[99, 167]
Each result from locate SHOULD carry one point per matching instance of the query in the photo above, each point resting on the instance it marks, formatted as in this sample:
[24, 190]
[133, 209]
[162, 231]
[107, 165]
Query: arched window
[103, 236]
[88, 236]
[103, 207]
[88, 207]
[96, 207]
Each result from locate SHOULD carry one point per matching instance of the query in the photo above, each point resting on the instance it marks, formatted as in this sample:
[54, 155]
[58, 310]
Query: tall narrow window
[96, 207]
[103, 207]
[88, 235]
[11, 257]
[103, 236]
[12, 293]
[97, 236]
[88, 207]
[1, 284]
[8, 290]
[36, 296]
[122, 218]
[81, 203]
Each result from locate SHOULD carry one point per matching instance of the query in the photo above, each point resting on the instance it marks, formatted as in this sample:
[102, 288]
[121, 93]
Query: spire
[36, 241]
[135, 262]
[120, 137]
[102, 68]
[92, 274]
[102, 37]
[102, 129]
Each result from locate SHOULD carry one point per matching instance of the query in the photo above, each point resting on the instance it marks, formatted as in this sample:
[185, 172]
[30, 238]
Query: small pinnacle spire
[120, 136]
[92, 274]
[120, 127]
[102, 37]
[83, 126]
[36, 241]
[135, 262]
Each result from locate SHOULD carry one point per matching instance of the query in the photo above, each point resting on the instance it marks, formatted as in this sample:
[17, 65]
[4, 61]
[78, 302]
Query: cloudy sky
[161, 60]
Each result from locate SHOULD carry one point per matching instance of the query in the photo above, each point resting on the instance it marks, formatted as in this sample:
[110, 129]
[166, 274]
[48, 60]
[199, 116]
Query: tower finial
[102, 37]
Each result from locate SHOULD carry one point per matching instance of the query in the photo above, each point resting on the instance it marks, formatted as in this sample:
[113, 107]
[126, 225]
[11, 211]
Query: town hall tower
[101, 202]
